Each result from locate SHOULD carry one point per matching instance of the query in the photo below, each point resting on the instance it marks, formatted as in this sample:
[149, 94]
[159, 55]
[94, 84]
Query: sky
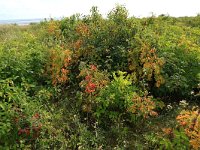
[31, 9]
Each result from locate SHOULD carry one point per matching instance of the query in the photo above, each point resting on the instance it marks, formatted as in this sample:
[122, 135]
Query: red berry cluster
[25, 131]
[30, 131]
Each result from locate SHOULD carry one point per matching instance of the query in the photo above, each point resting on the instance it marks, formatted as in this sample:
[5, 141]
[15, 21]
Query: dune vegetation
[89, 82]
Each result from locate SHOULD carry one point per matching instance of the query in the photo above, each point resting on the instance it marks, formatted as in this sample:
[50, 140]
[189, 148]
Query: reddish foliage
[25, 131]
[36, 116]
[88, 78]
[90, 88]
[93, 67]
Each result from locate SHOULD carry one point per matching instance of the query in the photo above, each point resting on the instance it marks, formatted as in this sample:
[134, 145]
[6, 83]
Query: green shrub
[120, 101]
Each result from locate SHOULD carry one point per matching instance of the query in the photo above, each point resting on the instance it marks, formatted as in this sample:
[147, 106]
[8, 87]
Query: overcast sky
[28, 9]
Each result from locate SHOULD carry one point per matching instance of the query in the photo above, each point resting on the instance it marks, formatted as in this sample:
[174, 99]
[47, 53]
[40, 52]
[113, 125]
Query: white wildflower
[169, 107]
[183, 103]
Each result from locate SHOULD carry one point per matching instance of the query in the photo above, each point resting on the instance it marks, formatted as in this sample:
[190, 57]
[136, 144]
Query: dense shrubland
[88, 82]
